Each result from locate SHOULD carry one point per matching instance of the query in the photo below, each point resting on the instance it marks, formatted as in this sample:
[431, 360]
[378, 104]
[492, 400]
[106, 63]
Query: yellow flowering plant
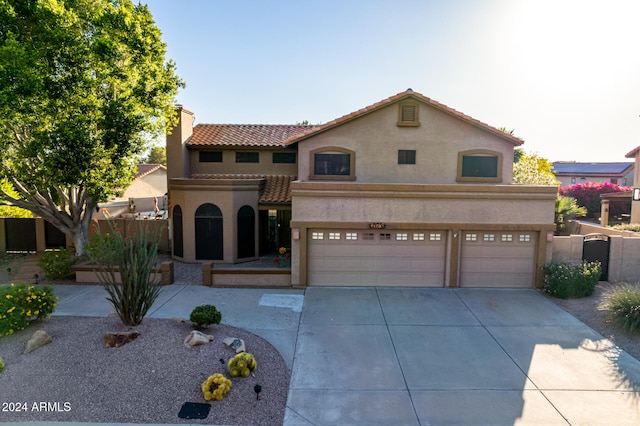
[21, 303]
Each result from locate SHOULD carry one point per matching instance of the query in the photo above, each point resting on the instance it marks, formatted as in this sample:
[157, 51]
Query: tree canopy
[83, 85]
[531, 169]
[157, 155]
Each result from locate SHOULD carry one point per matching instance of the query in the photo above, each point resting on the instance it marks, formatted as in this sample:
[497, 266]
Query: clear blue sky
[564, 74]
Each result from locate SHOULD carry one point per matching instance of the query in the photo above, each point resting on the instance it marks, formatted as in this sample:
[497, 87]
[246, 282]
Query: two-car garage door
[418, 258]
[380, 258]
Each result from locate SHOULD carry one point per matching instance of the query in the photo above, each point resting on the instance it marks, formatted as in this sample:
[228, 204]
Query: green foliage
[242, 365]
[1, 364]
[531, 169]
[19, 304]
[622, 305]
[157, 155]
[588, 195]
[205, 315]
[57, 263]
[8, 210]
[134, 257]
[568, 280]
[566, 209]
[84, 86]
[634, 227]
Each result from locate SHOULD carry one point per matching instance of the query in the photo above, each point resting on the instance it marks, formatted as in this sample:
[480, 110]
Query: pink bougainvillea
[588, 195]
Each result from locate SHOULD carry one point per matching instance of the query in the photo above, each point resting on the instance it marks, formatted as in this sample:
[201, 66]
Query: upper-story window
[247, 157]
[479, 165]
[210, 156]
[406, 156]
[283, 157]
[408, 114]
[332, 163]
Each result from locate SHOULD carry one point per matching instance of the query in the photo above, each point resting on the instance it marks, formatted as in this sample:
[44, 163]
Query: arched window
[246, 232]
[178, 245]
[208, 230]
[333, 163]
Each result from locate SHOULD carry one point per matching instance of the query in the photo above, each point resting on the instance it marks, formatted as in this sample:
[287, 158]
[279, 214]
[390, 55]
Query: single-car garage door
[497, 259]
[385, 258]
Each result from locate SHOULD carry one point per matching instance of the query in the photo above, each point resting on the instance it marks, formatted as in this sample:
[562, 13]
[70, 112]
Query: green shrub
[634, 227]
[567, 280]
[57, 263]
[1, 365]
[622, 306]
[19, 304]
[204, 315]
[134, 257]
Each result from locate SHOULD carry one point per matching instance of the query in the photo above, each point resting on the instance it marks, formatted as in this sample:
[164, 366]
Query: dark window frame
[479, 159]
[406, 156]
[325, 154]
[210, 156]
[248, 157]
[283, 157]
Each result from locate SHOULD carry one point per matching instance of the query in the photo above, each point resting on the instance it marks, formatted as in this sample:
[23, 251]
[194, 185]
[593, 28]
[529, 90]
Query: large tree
[83, 85]
[531, 169]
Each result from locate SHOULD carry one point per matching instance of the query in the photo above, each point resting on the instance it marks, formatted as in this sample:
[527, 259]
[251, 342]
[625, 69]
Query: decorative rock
[196, 338]
[235, 343]
[39, 338]
[115, 340]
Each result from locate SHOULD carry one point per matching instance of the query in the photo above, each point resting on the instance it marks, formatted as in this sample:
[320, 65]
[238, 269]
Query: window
[435, 237]
[334, 235]
[247, 157]
[418, 237]
[489, 237]
[317, 236]
[351, 236]
[506, 238]
[210, 156]
[524, 238]
[573, 179]
[402, 237]
[613, 180]
[408, 114]
[333, 163]
[283, 157]
[406, 156]
[368, 236]
[479, 165]
[471, 237]
[385, 236]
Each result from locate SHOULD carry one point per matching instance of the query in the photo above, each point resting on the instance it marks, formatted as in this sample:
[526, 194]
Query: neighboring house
[571, 173]
[405, 192]
[635, 203]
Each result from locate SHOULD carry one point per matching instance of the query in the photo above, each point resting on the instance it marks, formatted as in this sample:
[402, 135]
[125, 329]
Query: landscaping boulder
[117, 339]
[196, 338]
[235, 344]
[39, 338]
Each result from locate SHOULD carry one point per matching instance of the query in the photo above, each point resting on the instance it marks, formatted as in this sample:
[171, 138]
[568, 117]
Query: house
[150, 180]
[571, 172]
[635, 196]
[405, 192]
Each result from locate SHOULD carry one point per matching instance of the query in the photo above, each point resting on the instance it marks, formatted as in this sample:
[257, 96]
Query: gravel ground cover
[145, 381]
[586, 310]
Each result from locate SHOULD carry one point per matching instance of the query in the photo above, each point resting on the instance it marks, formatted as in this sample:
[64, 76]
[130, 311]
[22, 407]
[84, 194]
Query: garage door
[400, 258]
[497, 259]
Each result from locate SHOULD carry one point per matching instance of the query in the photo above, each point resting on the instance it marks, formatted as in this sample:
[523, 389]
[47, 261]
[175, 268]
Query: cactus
[215, 387]
[242, 365]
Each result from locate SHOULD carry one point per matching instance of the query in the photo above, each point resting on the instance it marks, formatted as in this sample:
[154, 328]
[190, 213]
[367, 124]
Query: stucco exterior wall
[376, 139]
[229, 165]
[151, 185]
[228, 195]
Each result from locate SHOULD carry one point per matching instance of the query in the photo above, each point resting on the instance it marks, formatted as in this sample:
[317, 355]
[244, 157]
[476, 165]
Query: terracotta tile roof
[244, 134]
[396, 98]
[146, 169]
[273, 190]
[632, 153]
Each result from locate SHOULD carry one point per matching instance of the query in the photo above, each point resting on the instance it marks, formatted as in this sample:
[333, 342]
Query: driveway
[406, 356]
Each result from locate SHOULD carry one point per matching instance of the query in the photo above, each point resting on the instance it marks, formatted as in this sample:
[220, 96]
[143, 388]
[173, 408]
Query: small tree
[531, 169]
[157, 155]
[588, 195]
[566, 209]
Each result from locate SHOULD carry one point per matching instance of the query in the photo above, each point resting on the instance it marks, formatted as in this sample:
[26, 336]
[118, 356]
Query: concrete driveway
[405, 356]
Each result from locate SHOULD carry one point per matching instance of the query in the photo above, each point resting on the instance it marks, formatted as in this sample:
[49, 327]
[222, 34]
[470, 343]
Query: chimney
[178, 163]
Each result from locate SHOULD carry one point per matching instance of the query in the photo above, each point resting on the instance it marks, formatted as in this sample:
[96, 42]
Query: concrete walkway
[405, 356]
